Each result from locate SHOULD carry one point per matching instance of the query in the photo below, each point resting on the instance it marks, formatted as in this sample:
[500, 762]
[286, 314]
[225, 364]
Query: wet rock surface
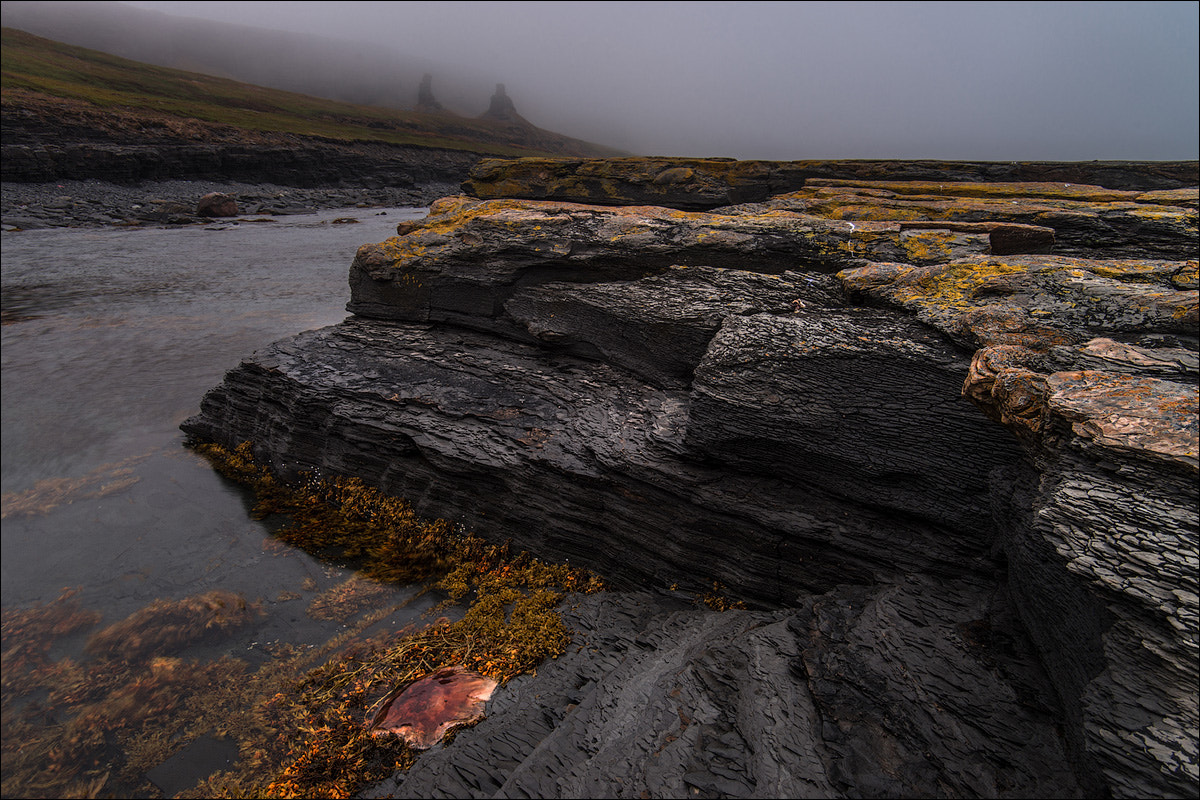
[956, 485]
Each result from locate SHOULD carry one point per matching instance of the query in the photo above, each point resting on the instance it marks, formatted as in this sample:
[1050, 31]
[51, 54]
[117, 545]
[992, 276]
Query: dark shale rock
[54, 140]
[660, 326]
[314, 164]
[957, 485]
[829, 699]
[468, 256]
[578, 460]
[1109, 534]
[828, 398]
[702, 183]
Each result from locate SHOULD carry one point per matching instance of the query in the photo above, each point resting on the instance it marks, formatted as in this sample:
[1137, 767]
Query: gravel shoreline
[93, 203]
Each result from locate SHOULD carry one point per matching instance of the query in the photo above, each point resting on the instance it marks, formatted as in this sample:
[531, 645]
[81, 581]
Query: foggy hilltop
[756, 80]
[308, 64]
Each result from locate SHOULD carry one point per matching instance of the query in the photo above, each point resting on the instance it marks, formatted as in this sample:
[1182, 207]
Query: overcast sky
[796, 80]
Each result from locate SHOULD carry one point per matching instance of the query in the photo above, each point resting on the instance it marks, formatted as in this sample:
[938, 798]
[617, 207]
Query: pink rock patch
[423, 712]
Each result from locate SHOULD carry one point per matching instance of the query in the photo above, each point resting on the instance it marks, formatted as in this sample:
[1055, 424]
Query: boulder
[217, 204]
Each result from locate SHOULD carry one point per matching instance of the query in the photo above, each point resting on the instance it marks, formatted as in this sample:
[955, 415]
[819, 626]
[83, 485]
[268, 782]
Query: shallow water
[110, 339]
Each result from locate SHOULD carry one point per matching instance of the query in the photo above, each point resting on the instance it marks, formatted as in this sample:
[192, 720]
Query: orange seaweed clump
[343, 518]
[26, 636]
[169, 625]
[313, 736]
[48, 494]
[86, 729]
[717, 600]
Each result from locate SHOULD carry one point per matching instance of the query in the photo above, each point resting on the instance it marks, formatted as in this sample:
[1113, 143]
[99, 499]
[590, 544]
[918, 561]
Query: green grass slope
[34, 70]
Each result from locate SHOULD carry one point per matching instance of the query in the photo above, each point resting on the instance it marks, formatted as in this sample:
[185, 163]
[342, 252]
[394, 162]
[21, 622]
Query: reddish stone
[217, 204]
[427, 709]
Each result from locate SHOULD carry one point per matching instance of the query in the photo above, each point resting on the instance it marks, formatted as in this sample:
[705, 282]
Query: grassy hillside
[33, 68]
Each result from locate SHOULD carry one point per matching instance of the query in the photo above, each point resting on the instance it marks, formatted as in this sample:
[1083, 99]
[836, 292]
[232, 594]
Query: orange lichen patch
[468, 220]
[424, 711]
[1143, 415]
[1038, 301]
[168, 625]
[392, 253]
[717, 599]
[1186, 198]
[848, 209]
[925, 246]
[1187, 276]
[1017, 189]
[1182, 306]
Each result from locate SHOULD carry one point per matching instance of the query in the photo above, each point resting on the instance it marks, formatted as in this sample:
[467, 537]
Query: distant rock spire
[425, 99]
[502, 107]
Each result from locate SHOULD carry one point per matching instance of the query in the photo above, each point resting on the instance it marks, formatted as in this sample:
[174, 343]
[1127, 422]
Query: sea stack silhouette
[502, 109]
[425, 99]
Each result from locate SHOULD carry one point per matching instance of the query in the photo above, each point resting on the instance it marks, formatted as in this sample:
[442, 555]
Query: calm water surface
[110, 339]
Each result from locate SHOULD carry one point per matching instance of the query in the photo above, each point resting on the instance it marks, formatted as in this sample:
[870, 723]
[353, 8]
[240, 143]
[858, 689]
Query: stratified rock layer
[699, 183]
[1108, 535]
[935, 453]
[1089, 221]
[467, 257]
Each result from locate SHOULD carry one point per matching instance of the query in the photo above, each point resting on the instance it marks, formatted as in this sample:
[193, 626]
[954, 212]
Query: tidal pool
[110, 339]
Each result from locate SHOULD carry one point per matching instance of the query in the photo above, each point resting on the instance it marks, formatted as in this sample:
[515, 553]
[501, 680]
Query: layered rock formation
[49, 139]
[942, 438]
[699, 183]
